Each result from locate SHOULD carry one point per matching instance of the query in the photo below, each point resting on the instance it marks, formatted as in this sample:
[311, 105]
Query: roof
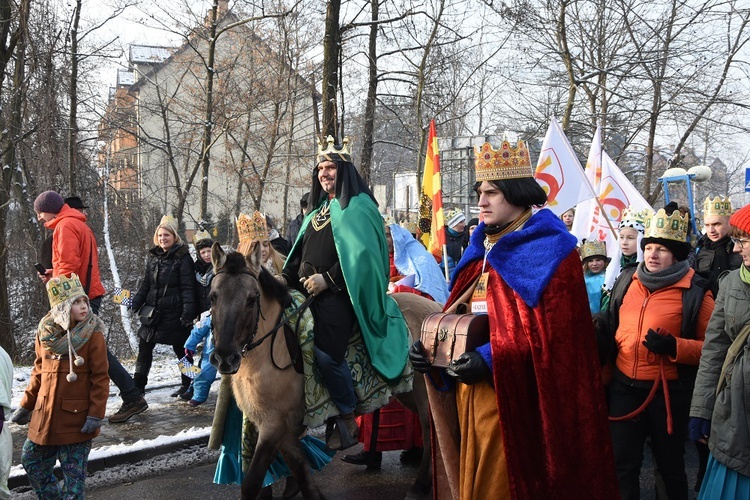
[149, 54]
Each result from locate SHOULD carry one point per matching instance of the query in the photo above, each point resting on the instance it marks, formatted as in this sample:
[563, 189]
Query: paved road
[337, 481]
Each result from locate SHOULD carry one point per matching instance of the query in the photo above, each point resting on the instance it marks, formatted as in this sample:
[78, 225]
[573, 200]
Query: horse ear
[218, 257]
[253, 260]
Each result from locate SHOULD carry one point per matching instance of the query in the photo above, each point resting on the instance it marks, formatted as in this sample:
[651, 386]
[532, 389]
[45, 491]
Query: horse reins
[660, 378]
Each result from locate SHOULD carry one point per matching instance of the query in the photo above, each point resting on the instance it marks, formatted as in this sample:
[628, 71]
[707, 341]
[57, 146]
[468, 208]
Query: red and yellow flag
[432, 190]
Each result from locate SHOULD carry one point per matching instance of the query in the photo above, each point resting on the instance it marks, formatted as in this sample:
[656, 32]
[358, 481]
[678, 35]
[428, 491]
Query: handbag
[149, 315]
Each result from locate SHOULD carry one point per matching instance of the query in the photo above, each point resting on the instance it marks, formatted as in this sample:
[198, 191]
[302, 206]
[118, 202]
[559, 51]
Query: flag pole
[445, 259]
[609, 223]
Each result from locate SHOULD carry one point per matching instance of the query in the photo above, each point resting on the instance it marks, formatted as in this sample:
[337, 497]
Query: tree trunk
[11, 136]
[331, 50]
[208, 124]
[73, 122]
[365, 168]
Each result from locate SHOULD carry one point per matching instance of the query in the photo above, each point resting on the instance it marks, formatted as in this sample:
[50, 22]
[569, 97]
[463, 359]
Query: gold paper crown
[61, 289]
[169, 221]
[201, 235]
[251, 229]
[717, 206]
[592, 248]
[634, 219]
[505, 163]
[331, 152]
[672, 227]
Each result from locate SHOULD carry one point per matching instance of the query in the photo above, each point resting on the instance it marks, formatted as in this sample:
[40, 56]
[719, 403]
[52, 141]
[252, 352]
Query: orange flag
[433, 191]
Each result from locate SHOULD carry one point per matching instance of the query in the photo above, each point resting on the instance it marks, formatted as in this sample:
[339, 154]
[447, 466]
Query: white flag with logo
[559, 172]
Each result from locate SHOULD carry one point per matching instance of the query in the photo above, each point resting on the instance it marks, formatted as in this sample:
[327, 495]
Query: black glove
[21, 416]
[470, 368]
[418, 360]
[661, 343]
[186, 322]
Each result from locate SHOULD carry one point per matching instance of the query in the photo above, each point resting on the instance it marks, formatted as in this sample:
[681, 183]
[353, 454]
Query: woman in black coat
[169, 286]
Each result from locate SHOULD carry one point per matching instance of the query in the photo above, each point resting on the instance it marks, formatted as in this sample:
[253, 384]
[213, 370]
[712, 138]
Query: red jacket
[73, 246]
[641, 310]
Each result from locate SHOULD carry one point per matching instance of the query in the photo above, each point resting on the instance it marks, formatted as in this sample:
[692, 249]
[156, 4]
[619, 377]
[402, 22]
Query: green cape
[363, 253]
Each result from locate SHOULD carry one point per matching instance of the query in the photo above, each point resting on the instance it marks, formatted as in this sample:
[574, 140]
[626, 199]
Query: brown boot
[344, 433]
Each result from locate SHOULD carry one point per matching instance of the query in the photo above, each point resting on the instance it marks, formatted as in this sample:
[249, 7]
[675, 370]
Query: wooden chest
[446, 336]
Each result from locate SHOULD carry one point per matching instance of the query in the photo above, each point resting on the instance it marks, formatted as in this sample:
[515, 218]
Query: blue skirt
[723, 483]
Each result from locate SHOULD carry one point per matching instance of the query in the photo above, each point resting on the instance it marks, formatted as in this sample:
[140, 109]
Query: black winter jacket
[169, 285]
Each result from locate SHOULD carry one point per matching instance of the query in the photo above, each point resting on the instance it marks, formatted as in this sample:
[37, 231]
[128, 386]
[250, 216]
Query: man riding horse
[340, 257]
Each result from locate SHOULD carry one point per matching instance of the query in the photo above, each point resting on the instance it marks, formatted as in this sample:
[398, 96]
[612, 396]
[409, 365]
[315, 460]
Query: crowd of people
[590, 352]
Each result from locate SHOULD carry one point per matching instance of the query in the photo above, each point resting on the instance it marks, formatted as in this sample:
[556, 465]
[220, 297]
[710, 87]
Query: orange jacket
[641, 310]
[73, 244]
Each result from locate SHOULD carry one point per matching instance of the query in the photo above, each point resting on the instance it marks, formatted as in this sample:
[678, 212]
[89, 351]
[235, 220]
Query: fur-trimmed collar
[527, 258]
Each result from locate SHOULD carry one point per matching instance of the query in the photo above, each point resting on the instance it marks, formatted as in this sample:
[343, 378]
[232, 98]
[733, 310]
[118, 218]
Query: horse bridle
[258, 315]
[282, 320]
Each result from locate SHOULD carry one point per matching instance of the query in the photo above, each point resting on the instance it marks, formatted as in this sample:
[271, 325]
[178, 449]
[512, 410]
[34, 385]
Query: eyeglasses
[739, 242]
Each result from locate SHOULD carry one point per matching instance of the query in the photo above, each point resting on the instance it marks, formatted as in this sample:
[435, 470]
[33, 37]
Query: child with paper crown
[67, 395]
[594, 257]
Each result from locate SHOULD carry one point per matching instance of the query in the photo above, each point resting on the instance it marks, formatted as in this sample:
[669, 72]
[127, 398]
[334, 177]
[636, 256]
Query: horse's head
[235, 306]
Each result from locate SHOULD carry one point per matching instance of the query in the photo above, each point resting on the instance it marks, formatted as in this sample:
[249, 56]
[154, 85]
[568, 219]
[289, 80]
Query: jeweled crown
[201, 235]
[669, 227]
[592, 248]
[330, 151]
[505, 163]
[717, 206]
[252, 228]
[60, 289]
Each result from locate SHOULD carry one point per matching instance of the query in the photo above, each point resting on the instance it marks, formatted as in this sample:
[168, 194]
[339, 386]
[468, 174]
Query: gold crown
[61, 289]
[505, 163]
[672, 227]
[717, 206]
[201, 235]
[251, 229]
[331, 152]
[592, 248]
[169, 221]
[633, 218]
[410, 226]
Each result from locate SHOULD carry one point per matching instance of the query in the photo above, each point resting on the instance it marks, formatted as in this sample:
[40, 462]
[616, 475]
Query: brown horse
[247, 302]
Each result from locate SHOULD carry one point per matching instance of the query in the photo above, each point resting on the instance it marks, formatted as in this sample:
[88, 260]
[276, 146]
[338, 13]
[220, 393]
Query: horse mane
[272, 286]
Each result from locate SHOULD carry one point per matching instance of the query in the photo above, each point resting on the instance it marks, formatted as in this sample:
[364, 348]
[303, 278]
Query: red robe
[550, 398]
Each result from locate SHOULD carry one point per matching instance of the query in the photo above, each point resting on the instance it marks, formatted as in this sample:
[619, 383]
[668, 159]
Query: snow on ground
[128, 473]
[163, 377]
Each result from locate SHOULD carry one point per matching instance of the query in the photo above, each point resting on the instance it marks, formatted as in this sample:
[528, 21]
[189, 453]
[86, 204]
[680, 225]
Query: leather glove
[470, 368]
[418, 360]
[186, 322]
[21, 416]
[699, 429]
[661, 342]
[91, 425]
[189, 354]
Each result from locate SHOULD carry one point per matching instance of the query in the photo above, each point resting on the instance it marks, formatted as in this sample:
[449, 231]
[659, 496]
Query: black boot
[140, 382]
[180, 391]
[372, 459]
